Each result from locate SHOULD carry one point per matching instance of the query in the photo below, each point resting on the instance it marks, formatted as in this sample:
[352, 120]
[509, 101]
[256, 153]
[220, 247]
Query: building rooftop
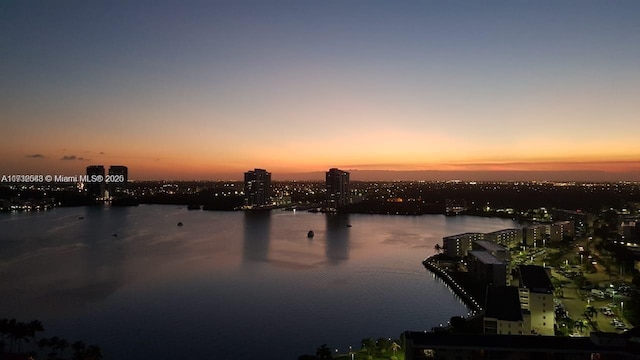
[490, 246]
[504, 231]
[485, 257]
[535, 278]
[503, 303]
[468, 234]
[536, 226]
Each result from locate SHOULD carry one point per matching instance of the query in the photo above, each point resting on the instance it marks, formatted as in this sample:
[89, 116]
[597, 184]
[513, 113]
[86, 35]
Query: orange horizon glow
[457, 90]
[205, 168]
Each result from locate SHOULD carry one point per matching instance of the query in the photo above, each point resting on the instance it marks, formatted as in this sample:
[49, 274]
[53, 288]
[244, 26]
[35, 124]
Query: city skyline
[413, 90]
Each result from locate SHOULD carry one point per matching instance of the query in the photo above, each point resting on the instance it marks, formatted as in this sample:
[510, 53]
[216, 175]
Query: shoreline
[469, 300]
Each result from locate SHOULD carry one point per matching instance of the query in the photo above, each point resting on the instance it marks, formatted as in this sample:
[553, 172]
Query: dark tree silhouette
[62, 346]
[438, 248]
[382, 344]
[368, 344]
[323, 352]
[19, 332]
[78, 350]
[93, 352]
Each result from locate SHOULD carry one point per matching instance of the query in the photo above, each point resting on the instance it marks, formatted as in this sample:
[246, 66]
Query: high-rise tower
[338, 191]
[118, 178]
[257, 187]
[95, 189]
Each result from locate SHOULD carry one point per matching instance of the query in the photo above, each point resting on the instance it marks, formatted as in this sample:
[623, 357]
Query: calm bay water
[238, 285]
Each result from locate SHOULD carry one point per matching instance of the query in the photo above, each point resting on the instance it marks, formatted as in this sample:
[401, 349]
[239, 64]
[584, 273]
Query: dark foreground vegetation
[20, 340]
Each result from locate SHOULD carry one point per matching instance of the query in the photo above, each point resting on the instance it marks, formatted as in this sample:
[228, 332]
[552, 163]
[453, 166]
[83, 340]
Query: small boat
[180, 224]
[310, 234]
[115, 235]
[348, 225]
[81, 218]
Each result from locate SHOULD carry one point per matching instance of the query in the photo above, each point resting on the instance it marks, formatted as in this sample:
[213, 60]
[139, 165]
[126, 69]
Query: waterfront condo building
[581, 220]
[119, 178]
[536, 296]
[487, 269]
[503, 314]
[338, 189]
[534, 235]
[257, 188]
[506, 237]
[460, 244]
[95, 189]
[561, 231]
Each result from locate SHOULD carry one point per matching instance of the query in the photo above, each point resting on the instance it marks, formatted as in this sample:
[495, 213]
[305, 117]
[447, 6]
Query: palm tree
[20, 332]
[78, 350]
[437, 248]
[395, 347]
[4, 331]
[62, 346]
[368, 344]
[35, 326]
[9, 330]
[93, 352]
[323, 352]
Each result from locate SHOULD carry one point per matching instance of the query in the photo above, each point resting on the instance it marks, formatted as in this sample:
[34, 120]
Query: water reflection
[337, 237]
[73, 261]
[96, 268]
[74, 274]
[257, 235]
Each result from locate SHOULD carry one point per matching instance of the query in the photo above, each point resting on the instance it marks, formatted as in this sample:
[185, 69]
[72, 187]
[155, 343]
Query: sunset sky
[210, 89]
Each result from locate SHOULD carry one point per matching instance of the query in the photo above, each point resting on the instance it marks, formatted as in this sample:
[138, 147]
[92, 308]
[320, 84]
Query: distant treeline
[384, 207]
[521, 197]
[391, 198]
[207, 201]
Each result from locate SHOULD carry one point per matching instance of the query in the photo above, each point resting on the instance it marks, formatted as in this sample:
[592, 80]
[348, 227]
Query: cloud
[73, 157]
[36, 156]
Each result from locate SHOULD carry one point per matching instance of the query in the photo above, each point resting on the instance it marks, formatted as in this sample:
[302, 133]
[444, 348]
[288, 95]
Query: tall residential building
[503, 314]
[338, 190]
[534, 234]
[630, 233]
[487, 269]
[257, 187]
[561, 231]
[460, 244]
[95, 189]
[118, 179]
[506, 237]
[581, 220]
[536, 296]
